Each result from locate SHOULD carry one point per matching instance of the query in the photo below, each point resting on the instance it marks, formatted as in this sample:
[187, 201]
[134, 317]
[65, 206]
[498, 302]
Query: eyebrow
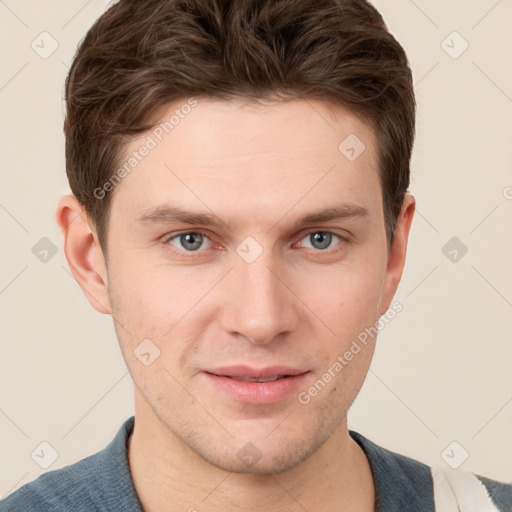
[345, 211]
[166, 214]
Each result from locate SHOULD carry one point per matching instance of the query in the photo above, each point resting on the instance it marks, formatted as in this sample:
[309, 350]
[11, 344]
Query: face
[247, 242]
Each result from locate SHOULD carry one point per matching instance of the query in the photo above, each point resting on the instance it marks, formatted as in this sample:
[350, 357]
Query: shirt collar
[401, 483]
[113, 471]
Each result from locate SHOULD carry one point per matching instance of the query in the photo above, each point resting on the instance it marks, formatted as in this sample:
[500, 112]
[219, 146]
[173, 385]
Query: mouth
[243, 372]
[253, 379]
[256, 386]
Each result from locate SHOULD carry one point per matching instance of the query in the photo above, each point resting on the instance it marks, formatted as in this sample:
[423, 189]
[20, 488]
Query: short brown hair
[141, 55]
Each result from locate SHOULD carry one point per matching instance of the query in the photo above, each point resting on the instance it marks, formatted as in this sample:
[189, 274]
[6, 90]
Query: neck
[169, 476]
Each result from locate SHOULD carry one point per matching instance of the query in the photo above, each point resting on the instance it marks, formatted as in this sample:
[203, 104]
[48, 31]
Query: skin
[259, 168]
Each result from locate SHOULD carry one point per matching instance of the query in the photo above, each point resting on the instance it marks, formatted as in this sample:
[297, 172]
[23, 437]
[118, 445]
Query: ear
[397, 252]
[83, 252]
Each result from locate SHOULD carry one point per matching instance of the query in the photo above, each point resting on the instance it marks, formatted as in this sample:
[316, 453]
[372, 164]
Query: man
[239, 173]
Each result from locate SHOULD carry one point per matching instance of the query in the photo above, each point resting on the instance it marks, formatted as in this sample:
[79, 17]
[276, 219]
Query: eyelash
[193, 254]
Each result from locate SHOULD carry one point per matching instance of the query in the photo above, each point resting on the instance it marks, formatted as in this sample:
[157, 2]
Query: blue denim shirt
[102, 482]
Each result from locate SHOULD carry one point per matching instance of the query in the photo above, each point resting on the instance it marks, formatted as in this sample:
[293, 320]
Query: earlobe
[83, 252]
[397, 252]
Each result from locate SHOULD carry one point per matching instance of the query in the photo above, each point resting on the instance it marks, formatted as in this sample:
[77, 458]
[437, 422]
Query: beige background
[442, 370]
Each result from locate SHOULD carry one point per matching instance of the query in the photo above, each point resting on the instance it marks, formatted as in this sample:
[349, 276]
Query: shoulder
[462, 491]
[401, 483]
[99, 482]
[56, 490]
[400, 480]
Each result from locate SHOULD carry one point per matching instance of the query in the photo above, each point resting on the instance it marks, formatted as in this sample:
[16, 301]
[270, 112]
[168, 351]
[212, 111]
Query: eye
[190, 241]
[321, 240]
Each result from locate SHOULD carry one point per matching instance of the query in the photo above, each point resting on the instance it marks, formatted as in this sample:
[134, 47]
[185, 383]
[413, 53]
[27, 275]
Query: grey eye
[320, 239]
[188, 241]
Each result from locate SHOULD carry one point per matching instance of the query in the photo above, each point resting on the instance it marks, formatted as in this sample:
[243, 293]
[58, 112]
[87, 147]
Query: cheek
[154, 297]
[147, 315]
[347, 298]
[160, 304]
[335, 388]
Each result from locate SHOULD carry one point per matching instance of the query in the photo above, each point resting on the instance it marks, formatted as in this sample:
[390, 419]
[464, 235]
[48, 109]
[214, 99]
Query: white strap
[460, 491]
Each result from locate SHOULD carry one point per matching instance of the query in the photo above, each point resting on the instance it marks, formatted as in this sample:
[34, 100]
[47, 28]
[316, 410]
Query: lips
[250, 374]
[256, 386]
[252, 379]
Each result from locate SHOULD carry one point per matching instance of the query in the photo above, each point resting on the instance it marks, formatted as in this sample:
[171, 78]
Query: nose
[259, 304]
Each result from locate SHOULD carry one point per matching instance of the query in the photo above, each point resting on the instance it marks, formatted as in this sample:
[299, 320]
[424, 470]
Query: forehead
[243, 127]
[250, 154]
